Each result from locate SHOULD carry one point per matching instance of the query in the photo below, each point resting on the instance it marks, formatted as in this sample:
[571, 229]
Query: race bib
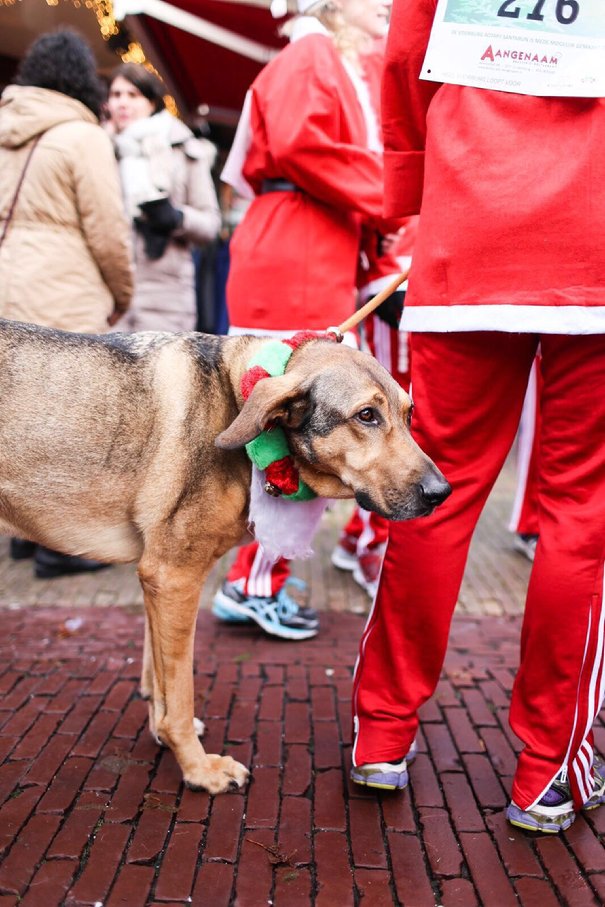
[534, 47]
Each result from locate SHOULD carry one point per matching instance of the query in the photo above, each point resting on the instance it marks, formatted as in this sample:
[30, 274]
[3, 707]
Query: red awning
[203, 72]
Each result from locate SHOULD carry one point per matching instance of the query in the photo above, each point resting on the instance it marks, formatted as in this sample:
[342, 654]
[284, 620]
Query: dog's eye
[367, 416]
[408, 418]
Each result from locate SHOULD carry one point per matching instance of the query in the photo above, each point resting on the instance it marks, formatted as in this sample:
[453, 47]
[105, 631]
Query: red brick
[120, 694]
[292, 887]
[175, 880]
[8, 681]
[224, 829]
[322, 704]
[486, 870]
[268, 743]
[440, 842]
[50, 883]
[297, 724]
[425, 783]
[128, 796]
[168, 776]
[488, 789]
[96, 734]
[133, 720]
[6, 745]
[429, 712]
[102, 863]
[65, 786]
[101, 683]
[367, 841]
[69, 693]
[443, 752]
[214, 737]
[19, 866]
[564, 872]
[15, 812]
[374, 887]
[327, 750]
[536, 893]
[397, 812]
[515, 848]
[263, 799]
[294, 836]
[20, 721]
[334, 875]
[458, 893]
[242, 721]
[249, 688]
[213, 885]
[461, 803]
[152, 828]
[409, 873]
[254, 869]
[70, 841]
[219, 700]
[50, 759]
[329, 804]
[10, 774]
[297, 772]
[36, 738]
[588, 849]
[462, 731]
[19, 694]
[194, 806]
[481, 715]
[132, 887]
[499, 750]
[597, 880]
[80, 715]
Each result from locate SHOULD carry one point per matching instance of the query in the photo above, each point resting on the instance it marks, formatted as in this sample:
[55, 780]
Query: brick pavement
[93, 813]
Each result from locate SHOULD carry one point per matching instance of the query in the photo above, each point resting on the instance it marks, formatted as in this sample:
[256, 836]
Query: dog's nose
[434, 489]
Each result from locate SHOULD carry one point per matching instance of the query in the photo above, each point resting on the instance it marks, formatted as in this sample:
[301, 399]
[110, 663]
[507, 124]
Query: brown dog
[129, 447]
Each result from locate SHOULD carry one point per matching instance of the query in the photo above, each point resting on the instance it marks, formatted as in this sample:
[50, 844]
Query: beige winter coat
[66, 258]
[164, 298]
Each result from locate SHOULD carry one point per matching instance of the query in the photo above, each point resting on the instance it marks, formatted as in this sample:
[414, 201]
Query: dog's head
[348, 427]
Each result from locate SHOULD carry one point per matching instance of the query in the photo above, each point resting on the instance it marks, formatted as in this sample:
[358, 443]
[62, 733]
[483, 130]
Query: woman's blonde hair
[346, 38]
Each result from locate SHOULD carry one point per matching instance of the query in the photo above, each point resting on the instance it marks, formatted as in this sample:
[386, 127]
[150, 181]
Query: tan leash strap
[372, 304]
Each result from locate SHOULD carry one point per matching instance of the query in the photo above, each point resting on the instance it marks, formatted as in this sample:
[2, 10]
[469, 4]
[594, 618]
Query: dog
[130, 447]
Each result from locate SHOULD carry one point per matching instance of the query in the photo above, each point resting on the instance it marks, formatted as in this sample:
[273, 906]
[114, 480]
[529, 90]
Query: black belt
[277, 185]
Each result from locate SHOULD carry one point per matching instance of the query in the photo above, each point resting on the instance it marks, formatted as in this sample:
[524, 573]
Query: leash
[370, 306]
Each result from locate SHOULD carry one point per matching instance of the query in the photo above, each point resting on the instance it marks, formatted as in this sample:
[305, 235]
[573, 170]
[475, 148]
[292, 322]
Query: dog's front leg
[147, 687]
[171, 603]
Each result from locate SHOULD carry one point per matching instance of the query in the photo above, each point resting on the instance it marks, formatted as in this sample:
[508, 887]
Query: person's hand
[161, 216]
[391, 309]
[114, 317]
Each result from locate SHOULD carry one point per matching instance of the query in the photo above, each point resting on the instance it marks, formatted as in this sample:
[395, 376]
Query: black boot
[49, 563]
[22, 549]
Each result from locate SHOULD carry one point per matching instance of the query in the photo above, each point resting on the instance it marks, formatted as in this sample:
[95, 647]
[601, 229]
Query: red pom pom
[250, 379]
[284, 475]
[304, 336]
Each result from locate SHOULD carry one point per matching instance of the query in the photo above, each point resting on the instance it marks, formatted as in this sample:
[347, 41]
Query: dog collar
[269, 451]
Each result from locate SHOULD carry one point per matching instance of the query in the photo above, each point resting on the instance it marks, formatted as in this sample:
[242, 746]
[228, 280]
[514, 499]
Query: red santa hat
[279, 8]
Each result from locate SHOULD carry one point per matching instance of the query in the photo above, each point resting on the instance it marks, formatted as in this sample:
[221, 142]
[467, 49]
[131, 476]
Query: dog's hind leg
[147, 687]
[171, 602]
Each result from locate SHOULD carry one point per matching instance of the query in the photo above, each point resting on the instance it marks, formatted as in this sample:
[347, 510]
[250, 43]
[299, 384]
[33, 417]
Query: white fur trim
[512, 319]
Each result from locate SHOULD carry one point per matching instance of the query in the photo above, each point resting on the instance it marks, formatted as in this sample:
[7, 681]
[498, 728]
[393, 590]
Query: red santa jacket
[294, 256]
[511, 191]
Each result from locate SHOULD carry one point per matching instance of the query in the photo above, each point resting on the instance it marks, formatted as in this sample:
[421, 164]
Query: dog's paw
[218, 774]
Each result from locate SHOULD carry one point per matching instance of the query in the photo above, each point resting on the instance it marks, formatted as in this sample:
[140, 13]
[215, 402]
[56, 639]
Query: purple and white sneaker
[555, 811]
[385, 775]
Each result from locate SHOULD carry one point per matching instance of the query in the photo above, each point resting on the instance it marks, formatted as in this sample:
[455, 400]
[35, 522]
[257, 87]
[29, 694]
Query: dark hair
[63, 61]
[150, 86]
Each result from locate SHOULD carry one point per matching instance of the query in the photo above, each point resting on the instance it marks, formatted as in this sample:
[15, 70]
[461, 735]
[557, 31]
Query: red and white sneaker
[344, 555]
[367, 570]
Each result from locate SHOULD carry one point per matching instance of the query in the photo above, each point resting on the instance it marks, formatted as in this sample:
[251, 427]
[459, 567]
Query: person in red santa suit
[308, 152]
[524, 515]
[503, 262]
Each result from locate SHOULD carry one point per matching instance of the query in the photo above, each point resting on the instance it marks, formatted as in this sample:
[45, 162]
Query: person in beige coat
[169, 194]
[65, 261]
[65, 246]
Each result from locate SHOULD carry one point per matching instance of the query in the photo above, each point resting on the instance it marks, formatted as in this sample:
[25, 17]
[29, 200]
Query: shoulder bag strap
[18, 189]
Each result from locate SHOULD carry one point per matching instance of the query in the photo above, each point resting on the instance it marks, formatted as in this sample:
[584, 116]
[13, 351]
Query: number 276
[566, 11]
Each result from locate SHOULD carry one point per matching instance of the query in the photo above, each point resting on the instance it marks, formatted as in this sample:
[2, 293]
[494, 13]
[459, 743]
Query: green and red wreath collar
[269, 451]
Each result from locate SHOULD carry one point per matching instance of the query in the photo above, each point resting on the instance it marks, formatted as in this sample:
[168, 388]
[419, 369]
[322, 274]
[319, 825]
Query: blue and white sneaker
[555, 811]
[278, 615]
[385, 775]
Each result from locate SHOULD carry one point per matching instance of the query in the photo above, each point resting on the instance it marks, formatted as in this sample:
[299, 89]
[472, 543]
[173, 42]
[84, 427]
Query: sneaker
[278, 615]
[344, 555]
[227, 613]
[526, 545]
[49, 564]
[385, 775]
[367, 570]
[555, 811]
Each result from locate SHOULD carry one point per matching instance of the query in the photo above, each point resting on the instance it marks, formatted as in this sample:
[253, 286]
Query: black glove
[391, 309]
[161, 216]
[155, 243]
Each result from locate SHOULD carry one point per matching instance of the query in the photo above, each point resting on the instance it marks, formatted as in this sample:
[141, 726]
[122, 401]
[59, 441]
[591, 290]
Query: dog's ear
[278, 399]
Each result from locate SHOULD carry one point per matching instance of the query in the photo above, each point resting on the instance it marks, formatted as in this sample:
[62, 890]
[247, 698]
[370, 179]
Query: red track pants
[468, 389]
